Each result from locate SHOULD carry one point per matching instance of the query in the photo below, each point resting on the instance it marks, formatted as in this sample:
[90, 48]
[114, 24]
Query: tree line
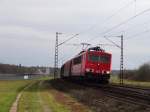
[140, 74]
[16, 69]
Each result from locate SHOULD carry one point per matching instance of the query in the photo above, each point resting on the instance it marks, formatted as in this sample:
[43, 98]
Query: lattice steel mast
[56, 56]
[56, 52]
[121, 61]
[121, 55]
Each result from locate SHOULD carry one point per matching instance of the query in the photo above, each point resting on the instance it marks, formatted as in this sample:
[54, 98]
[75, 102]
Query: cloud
[28, 27]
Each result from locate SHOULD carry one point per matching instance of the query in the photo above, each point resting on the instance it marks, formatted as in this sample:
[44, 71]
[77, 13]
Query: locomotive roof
[92, 49]
[97, 48]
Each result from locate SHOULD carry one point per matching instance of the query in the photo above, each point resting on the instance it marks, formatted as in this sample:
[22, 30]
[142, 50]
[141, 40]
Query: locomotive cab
[98, 64]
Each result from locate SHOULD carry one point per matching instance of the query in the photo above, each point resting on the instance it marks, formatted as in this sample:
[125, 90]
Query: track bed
[99, 99]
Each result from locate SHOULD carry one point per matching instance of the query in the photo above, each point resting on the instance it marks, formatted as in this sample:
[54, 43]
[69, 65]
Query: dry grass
[42, 97]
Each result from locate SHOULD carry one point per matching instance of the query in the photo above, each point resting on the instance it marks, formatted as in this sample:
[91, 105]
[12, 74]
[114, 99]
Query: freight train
[93, 64]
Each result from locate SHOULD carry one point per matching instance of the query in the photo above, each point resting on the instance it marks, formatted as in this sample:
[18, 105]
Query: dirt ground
[94, 99]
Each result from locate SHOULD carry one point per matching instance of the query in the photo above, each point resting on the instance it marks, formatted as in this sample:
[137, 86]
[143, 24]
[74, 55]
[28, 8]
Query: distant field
[115, 79]
[9, 91]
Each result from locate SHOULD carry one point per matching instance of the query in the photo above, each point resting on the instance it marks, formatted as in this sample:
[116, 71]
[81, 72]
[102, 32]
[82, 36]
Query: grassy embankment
[43, 97]
[115, 79]
[9, 91]
[38, 99]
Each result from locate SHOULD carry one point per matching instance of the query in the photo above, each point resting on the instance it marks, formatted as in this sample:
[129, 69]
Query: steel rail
[130, 94]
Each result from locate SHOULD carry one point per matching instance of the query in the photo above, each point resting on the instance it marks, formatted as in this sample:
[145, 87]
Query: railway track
[124, 93]
[134, 95]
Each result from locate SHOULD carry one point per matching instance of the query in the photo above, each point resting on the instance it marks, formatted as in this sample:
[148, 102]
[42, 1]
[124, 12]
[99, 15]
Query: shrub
[141, 74]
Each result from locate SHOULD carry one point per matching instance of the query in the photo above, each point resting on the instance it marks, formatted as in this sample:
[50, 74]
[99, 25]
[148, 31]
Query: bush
[141, 74]
[130, 74]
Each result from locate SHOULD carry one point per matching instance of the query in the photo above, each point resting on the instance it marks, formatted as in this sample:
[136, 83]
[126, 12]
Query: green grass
[49, 100]
[8, 93]
[46, 78]
[38, 98]
[115, 79]
[30, 101]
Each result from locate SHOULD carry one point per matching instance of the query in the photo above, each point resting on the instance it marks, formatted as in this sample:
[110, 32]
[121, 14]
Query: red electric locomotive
[92, 64]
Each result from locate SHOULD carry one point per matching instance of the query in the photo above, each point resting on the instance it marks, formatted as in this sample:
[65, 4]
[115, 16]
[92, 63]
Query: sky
[28, 30]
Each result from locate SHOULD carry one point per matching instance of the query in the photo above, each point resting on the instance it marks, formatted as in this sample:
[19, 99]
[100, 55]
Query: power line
[145, 23]
[105, 44]
[73, 44]
[108, 18]
[64, 57]
[68, 39]
[119, 10]
[124, 22]
[112, 42]
[138, 34]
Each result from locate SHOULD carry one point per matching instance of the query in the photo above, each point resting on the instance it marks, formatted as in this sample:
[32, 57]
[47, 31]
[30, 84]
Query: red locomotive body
[93, 64]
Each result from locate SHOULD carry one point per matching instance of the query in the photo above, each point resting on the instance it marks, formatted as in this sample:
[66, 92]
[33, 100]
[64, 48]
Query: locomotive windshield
[97, 58]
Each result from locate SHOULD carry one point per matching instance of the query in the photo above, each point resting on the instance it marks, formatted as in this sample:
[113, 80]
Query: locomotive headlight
[108, 72]
[87, 70]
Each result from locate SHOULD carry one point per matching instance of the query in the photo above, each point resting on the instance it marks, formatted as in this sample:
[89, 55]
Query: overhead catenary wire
[112, 42]
[128, 4]
[130, 28]
[68, 39]
[138, 34]
[66, 57]
[109, 17]
[73, 44]
[122, 23]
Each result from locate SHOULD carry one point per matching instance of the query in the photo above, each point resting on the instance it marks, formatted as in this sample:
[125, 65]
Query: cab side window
[77, 60]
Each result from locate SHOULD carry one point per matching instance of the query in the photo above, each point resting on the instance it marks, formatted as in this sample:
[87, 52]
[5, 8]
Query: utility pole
[56, 56]
[121, 62]
[121, 56]
[56, 52]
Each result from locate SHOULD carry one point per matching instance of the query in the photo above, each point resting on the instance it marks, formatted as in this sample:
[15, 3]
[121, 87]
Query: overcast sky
[28, 27]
